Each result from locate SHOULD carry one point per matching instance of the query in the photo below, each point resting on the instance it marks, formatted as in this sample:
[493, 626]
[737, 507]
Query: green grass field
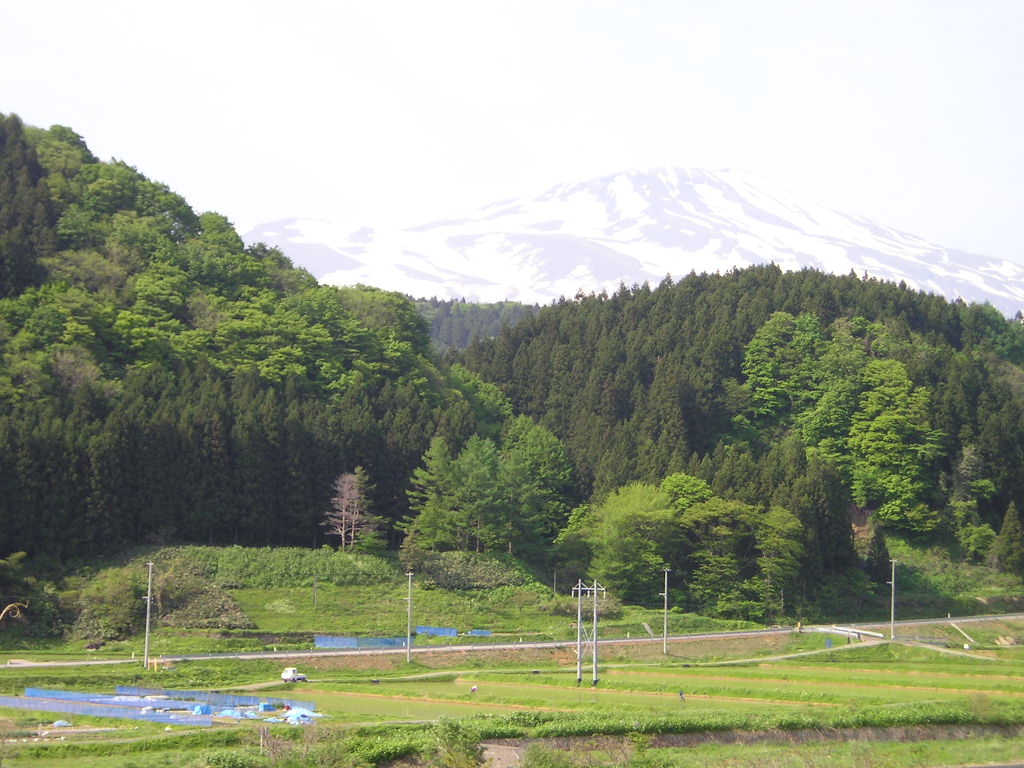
[785, 699]
[759, 686]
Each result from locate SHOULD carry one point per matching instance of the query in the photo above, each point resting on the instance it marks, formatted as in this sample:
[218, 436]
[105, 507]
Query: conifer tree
[1008, 548]
[26, 216]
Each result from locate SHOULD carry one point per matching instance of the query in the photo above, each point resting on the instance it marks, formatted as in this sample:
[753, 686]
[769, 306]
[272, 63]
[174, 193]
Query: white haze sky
[909, 112]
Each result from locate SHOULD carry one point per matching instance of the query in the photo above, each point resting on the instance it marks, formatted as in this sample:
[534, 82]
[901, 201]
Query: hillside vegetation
[161, 382]
[771, 439]
[833, 399]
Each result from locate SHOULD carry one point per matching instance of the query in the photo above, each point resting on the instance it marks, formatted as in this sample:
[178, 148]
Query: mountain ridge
[629, 228]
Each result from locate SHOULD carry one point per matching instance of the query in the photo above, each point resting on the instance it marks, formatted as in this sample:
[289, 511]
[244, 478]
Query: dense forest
[835, 399]
[162, 382]
[757, 432]
[455, 324]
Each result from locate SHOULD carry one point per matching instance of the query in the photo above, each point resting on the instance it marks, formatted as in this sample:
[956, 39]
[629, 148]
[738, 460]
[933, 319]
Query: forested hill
[160, 381]
[758, 381]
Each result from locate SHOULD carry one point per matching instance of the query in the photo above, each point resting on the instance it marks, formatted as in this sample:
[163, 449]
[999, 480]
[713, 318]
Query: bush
[212, 608]
[608, 607]
[539, 756]
[231, 759]
[468, 570]
[112, 606]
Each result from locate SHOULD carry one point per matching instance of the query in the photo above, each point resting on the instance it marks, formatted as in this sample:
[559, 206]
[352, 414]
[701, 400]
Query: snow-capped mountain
[630, 228]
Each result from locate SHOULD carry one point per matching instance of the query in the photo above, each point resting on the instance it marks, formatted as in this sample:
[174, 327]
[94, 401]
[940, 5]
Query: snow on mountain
[629, 228]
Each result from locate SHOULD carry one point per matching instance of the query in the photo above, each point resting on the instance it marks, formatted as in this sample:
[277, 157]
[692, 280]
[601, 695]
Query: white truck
[292, 675]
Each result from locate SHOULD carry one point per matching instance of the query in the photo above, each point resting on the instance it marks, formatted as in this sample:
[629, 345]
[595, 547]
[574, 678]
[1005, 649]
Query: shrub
[608, 607]
[231, 759]
[112, 606]
[212, 608]
[469, 570]
[539, 756]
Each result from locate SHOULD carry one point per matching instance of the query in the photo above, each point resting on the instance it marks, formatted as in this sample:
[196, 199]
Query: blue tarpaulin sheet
[331, 641]
[438, 631]
[213, 698]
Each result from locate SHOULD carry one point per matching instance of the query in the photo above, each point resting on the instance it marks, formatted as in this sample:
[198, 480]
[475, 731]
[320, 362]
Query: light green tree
[631, 535]
[891, 444]
[779, 535]
[780, 363]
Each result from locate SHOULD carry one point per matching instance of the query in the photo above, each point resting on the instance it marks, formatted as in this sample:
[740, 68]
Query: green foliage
[685, 490]
[183, 596]
[490, 498]
[454, 324]
[882, 388]
[465, 570]
[112, 605]
[890, 446]
[1008, 546]
[161, 341]
[162, 382]
[455, 745]
[539, 756]
[214, 742]
[26, 215]
[270, 567]
[780, 363]
[779, 536]
[231, 759]
[630, 534]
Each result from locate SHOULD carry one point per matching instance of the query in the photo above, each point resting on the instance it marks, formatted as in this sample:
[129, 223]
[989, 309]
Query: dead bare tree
[349, 516]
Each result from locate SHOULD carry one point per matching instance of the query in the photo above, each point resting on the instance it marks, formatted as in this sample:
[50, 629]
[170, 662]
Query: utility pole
[578, 589]
[408, 622]
[593, 653]
[664, 624]
[149, 605]
[892, 603]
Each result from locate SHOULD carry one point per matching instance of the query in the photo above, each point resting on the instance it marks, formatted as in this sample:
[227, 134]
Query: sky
[908, 112]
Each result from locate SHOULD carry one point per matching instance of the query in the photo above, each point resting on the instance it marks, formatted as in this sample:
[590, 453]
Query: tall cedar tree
[1008, 548]
[26, 213]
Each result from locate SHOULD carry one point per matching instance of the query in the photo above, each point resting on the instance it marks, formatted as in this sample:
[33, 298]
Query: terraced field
[772, 690]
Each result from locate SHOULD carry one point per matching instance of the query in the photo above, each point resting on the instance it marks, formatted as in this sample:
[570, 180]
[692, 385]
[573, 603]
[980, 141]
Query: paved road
[871, 626]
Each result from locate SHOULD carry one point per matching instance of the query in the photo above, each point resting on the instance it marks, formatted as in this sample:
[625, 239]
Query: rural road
[881, 627]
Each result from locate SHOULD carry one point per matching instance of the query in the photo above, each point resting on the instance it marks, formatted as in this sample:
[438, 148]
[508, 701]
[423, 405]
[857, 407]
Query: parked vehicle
[292, 675]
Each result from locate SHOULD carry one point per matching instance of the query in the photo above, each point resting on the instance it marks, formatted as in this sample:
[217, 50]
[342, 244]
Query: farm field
[814, 700]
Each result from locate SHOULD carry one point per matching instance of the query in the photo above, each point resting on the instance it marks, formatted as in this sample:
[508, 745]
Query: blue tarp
[332, 641]
[120, 700]
[213, 698]
[437, 631]
[479, 633]
[300, 716]
[100, 710]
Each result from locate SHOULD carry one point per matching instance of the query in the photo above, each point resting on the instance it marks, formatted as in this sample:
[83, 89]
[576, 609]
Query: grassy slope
[365, 596]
